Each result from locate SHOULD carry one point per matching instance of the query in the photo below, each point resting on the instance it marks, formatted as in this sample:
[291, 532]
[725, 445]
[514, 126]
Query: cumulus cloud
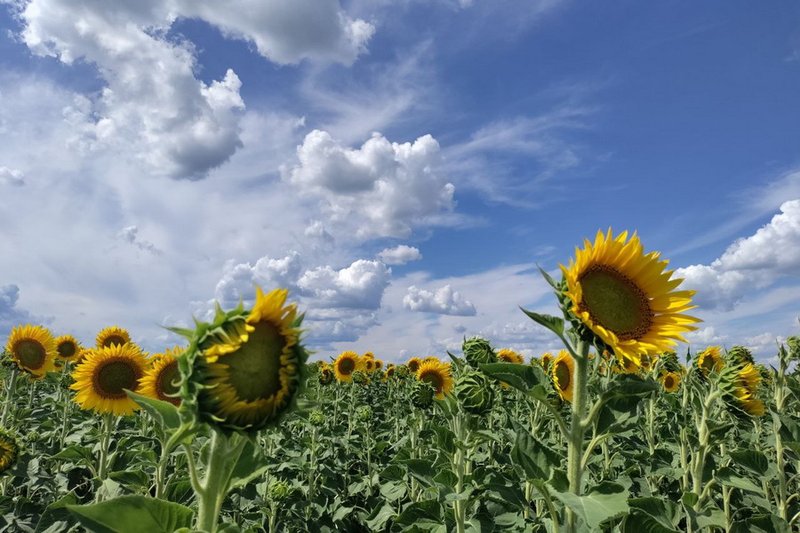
[10, 314]
[239, 279]
[706, 336]
[385, 188]
[753, 262]
[400, 255]
[444, 301]
[152, 103]
[359, 286]
[11, 176]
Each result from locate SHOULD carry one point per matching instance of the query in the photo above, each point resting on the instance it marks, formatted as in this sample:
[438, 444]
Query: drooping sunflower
[626, 297]
[413, 364]
[562, 370]
[345, 364]
[670, 381]
[68, 348]
[546, 360]
[741, 384]
[437, 374]
[161, 380]
[249, 364]
[112, 335]
[101, 379]
[33, 348]
[710, 360]
[508, 355]
[9, 450]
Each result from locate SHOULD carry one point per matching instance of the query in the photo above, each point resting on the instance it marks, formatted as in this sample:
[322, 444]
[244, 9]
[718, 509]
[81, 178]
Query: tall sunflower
[710, 360]
[508, 355]
[101, 379]
[670, 381]
[112, 335]
[249, 365]
[345, 364]
[626, 297]
[33, 348]
[563, 370]
[162, 378]
[437, 374]
[413, 364]
[68, 348]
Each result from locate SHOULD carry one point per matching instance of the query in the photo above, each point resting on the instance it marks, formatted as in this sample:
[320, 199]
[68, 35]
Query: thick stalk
[577, 428]
[224, 454]
[459, 506]
[105, 442]
[11, 388]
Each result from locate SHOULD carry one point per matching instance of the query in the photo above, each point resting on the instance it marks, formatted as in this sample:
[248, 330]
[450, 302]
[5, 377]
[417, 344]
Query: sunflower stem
[224, 454]
[11, 388]
[105, 442]
[577, 428]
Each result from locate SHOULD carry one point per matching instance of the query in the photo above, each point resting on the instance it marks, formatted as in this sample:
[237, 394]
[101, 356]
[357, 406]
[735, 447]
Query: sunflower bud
[364, 413]
[739, 355]
[422, 395]
[317, 417]
[478, 351]
[793, 343]
[475, 393]
[401, 372]
[360, 377]
[279, 490]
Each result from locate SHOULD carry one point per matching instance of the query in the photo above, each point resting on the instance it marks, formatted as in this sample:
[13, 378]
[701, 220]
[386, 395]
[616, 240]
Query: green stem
[577, 428]
[105, 442]
[223, 455]
[10, 390]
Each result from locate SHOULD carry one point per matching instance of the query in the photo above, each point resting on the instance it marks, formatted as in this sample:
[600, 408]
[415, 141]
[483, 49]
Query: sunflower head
[68, 348]
[112, 335]
[739, 355]
[369, 364]
[413, 364]
[33, 349]
[546, 360]
[360, 377]
[326, 375]
[507, 355]
[9, 451]
[563, 370]
[242, 371]
[368, 355]
[740, 385]
[437, 374]
[345, 364]
[103, 376]
[389, 373]
[475, 393]
[478, 351]
[670, 381]
[710, 360]
[162, 379]
[621, 298]
[378, 364]
[422, 395]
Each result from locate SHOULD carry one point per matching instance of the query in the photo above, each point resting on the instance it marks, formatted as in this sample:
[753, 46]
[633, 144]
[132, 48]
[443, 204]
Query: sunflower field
[622, 430]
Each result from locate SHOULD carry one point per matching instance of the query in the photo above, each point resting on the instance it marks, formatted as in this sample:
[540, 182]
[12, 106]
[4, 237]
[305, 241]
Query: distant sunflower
[625, 297]
[112, 335]
[508, 355]
[9, 450]
[369, 364]
[389, 372]
[431, 358]
[161, 380]
[378, 364]
[670, 381]
[368, 355]
[437, 374]
[562, 370]
[546, 360]
[710, 360]
[345, 364]
[413, 364]
[101, 379]
[249, 375]
[33, 348]
[68, 348]
[625, 366]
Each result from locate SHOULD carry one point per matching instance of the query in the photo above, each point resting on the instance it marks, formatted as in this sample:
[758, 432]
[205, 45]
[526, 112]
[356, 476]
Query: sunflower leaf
[162, 412]
[553, 323]
[522, 377]
[602, 502]
[547, 277]
[132, 514]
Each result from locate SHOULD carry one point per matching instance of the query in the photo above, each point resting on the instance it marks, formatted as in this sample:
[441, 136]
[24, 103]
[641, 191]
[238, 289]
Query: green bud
[279, 490]
[401, 372]
[326, 376]
[423, 395]
[793, 344]
[317, 417]
[478, 351]
[739, 355]
[360, 377]
[364, 413]
[475, 393]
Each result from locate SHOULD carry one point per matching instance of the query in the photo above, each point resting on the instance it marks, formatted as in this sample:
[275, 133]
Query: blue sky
[400, 166]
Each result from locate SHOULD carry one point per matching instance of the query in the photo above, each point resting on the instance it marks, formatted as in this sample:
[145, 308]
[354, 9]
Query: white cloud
[152, 105]
[130, 234]
[443, 300]
[11, 176]
[359, 286]
[10, 314]
[754, 262]
[400, 255]
[384, 188]
[705, 336]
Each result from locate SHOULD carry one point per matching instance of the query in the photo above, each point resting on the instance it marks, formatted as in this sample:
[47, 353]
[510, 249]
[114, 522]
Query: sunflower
[437, 374]
[347, 363]
[562, 370]
[9, 450]
[250, 365]
[68, 348]
[368, 355]
[670, 381]
[33, 348]
[369, 364]
[740, 384]
[710, 360]
[101, 379]
[378, 364]
[160, 381]
[508, 355]
[389, 372]
[546, 360]
[626, 298]
[112, 335]
[625, 366]
[431, 359]
[413, 364]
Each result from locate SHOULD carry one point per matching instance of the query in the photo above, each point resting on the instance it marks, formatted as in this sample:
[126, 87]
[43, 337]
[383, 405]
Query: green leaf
[56, 512]
[548, 278]
[379, 519]
[753, 460]
[726, 476]
[522, 377]
[553, 323]
[426, 510]
[651, 515]
[421, 469]
[445, 439]
[601, 503]
[534, 458]
[252, 464]
[132, 514]
[77, 454]
[393, 491]
[164, 413]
